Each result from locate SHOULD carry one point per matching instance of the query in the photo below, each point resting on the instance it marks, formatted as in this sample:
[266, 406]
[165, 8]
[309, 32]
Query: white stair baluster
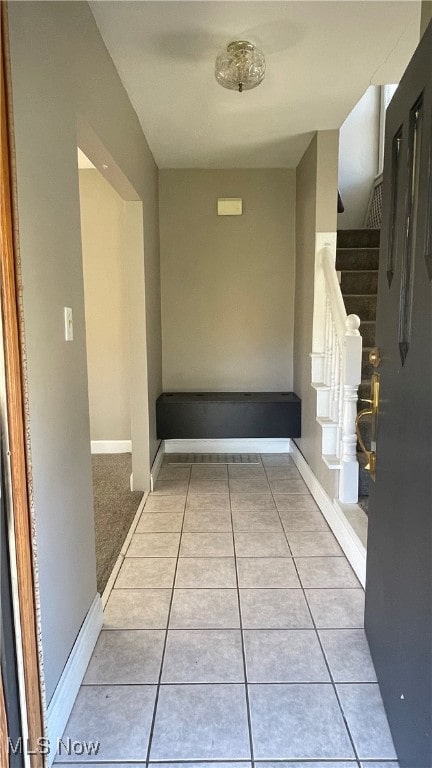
[336, 390]
[340, 407]
[327, 365]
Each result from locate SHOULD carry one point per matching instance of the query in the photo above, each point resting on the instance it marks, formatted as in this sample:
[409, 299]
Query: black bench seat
[207, 415]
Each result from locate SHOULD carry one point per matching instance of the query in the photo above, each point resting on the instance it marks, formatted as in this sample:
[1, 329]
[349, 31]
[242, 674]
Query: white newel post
[351, 377]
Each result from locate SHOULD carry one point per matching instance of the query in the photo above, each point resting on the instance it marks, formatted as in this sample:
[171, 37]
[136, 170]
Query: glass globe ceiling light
[241, 67]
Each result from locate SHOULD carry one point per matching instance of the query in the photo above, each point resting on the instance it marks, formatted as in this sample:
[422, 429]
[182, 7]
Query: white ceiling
[321, 56]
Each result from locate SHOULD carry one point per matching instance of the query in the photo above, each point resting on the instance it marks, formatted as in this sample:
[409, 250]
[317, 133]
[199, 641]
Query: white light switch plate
[68, 324]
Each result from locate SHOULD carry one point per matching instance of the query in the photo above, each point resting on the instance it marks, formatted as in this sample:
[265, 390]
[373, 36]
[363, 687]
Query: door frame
[14, 375]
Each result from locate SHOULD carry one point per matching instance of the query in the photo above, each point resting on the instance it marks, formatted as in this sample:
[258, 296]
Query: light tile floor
[234, 633]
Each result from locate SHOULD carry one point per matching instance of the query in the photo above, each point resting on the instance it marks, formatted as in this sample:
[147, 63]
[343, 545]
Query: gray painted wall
[316, 211]
[227, 281]
[61, 75]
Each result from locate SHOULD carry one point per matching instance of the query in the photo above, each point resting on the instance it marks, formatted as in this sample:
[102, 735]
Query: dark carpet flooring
[114, 509]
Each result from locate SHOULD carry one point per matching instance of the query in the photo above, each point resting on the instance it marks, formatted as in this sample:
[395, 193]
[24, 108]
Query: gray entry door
[399, 563]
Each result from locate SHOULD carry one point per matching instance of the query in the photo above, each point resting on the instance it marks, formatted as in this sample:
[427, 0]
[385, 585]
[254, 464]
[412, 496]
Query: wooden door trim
[16, 422]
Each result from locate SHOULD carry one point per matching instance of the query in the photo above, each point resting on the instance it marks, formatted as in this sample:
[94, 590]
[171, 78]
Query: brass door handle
[371, 413]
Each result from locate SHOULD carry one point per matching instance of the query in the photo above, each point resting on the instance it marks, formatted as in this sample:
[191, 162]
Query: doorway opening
[108, 270]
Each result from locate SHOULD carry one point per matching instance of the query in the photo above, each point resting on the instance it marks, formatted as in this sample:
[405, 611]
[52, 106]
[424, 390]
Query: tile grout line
[248, 711]
[153, 722]
[240, 762]
[293, 589]
[232, 629]
[228, 682]
[255, 557]
[319, 640]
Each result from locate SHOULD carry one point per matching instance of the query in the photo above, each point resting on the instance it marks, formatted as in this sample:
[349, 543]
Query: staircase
[357, 258]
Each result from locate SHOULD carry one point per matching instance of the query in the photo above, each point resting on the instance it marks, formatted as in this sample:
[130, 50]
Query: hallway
[258, 653]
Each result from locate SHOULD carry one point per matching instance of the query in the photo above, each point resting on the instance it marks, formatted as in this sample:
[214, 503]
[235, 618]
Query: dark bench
[206, 415]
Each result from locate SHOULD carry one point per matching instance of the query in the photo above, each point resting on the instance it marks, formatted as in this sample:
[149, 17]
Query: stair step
[363, 306]
[365, 362]
[332, 461]
[363, 282]
[364, 477]
[358, 238]
[364, 391]
[367, 367]
[367, 331]
[357, 258]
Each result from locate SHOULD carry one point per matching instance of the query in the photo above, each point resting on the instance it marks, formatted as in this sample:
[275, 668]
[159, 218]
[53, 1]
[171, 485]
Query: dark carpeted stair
[357, 259]
[358, 238]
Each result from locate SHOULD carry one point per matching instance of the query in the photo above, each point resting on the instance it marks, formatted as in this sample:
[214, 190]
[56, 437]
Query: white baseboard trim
[156, 466]
[67, 689]
[119, 562]
[111, 446]
[231, 445]
[351, 544]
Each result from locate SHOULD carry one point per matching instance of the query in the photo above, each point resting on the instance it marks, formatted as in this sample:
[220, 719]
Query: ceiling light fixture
[241, 67]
